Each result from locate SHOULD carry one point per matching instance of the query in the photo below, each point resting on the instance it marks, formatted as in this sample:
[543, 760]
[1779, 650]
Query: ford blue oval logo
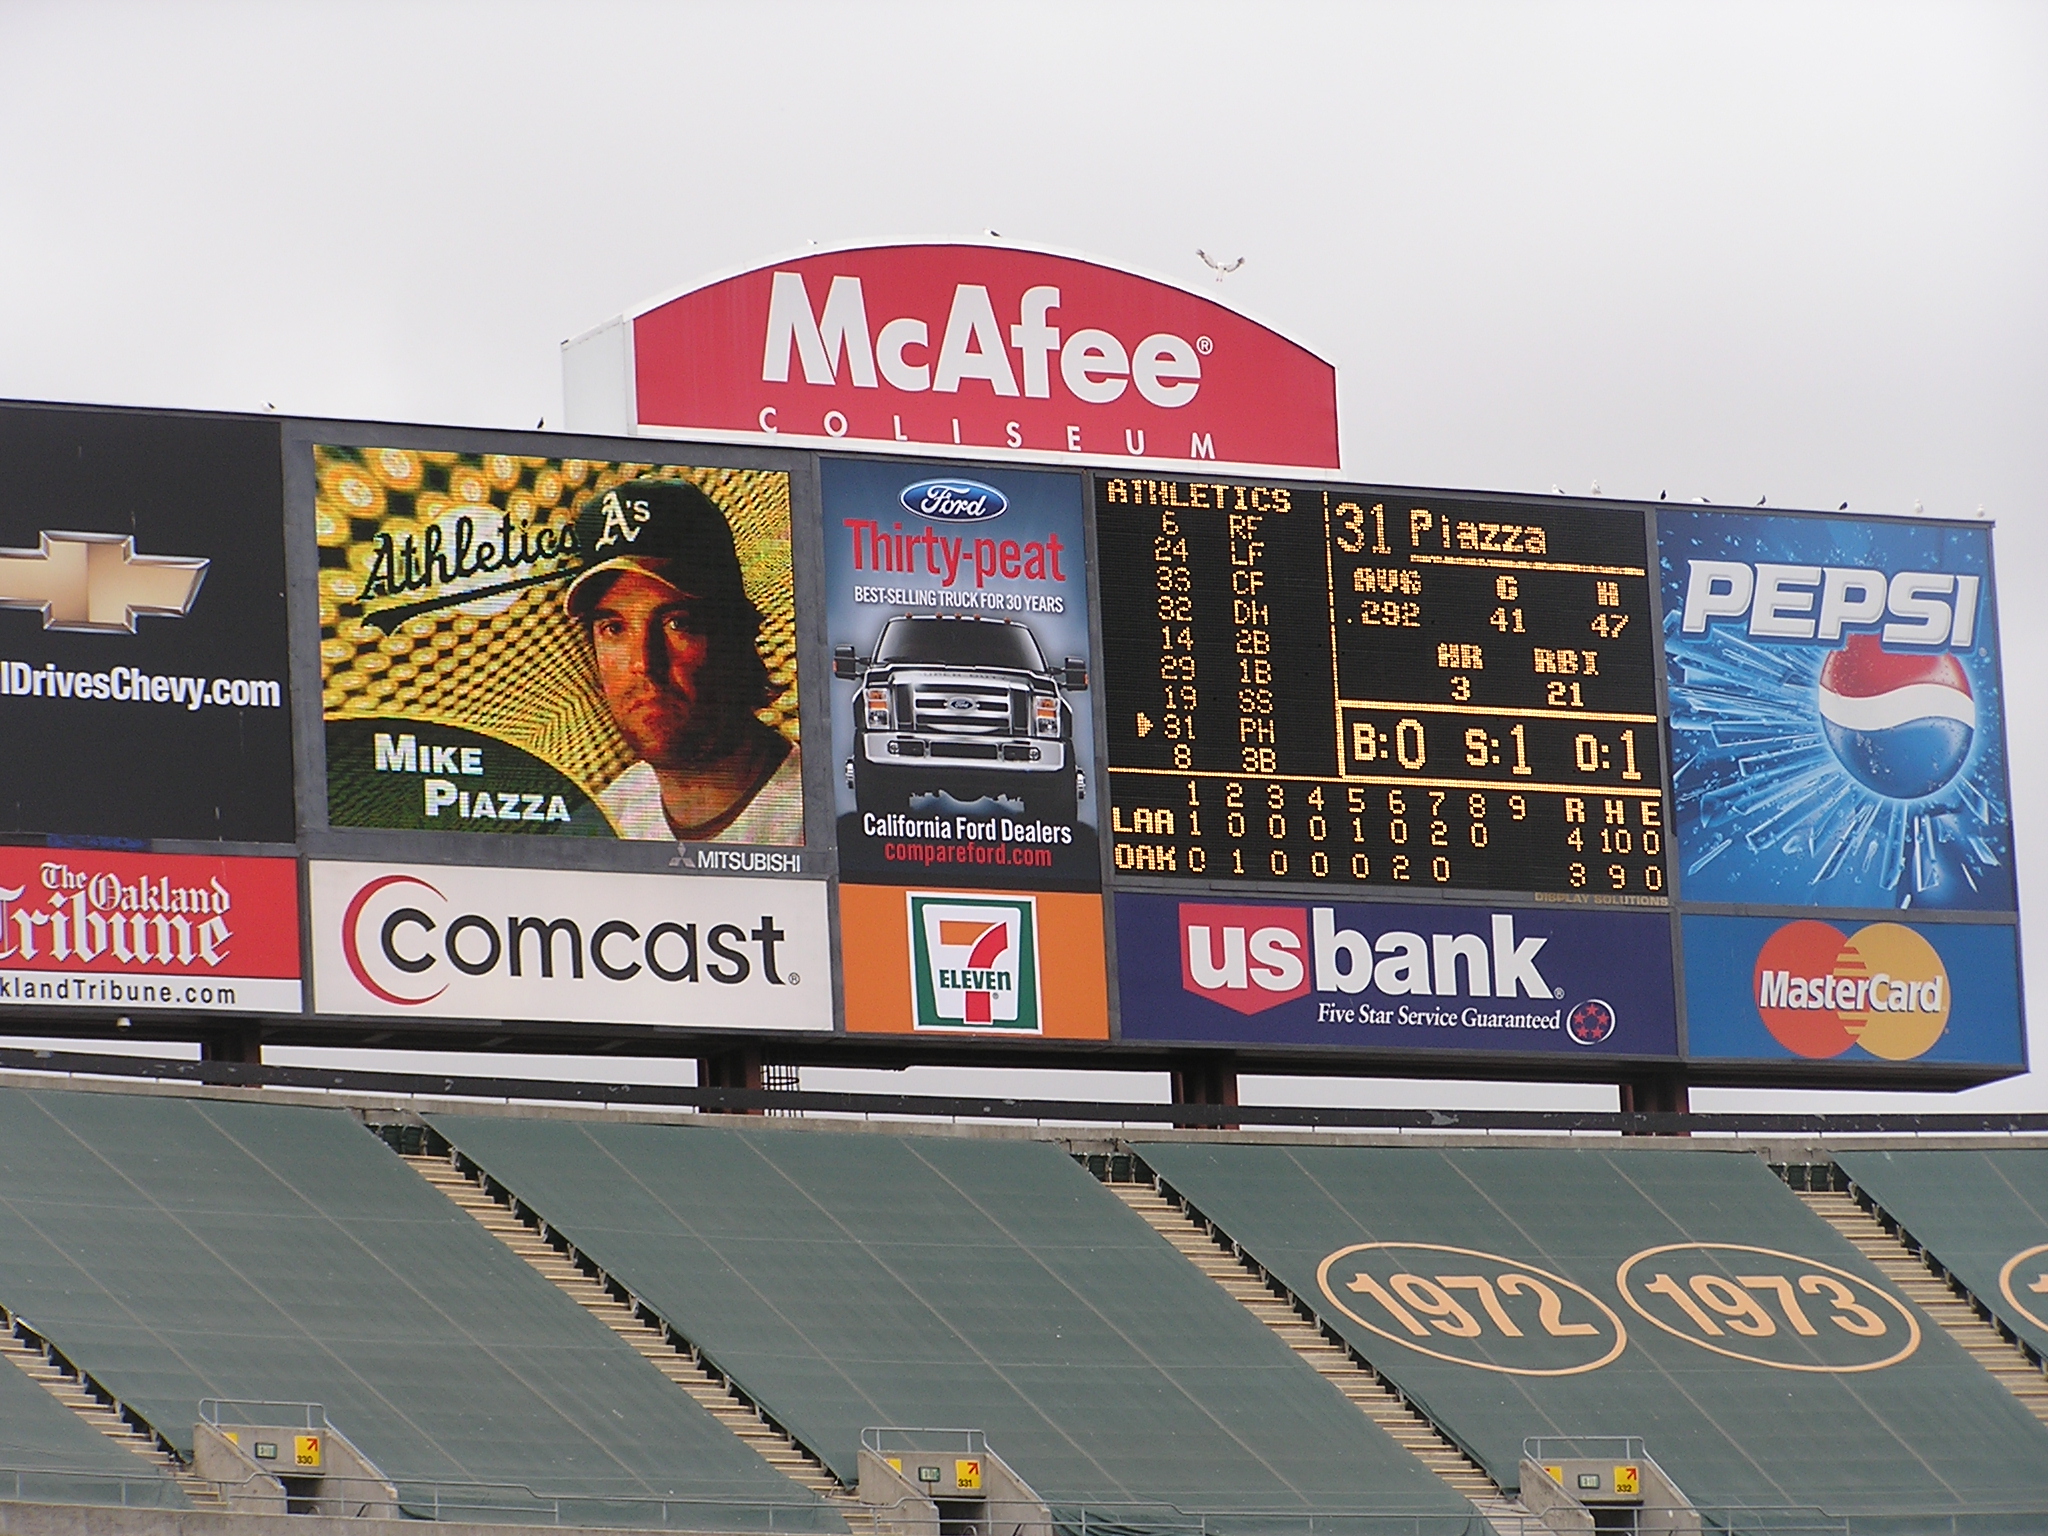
[954, 501]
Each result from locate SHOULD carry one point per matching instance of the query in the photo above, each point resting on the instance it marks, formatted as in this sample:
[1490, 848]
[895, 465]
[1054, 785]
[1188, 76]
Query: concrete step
[648, 1341]
[1360, 1386]
[72, 1394]
[1956, 1316]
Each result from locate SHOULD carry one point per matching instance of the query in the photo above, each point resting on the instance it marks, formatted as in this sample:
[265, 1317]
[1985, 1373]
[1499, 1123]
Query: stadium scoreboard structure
[856, 687]
[1351, 687]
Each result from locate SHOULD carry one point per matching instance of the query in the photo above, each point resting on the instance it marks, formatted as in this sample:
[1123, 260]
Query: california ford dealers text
[464, 942]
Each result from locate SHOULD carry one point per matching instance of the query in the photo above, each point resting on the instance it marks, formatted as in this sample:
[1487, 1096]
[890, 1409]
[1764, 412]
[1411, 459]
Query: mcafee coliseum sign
[959, 347]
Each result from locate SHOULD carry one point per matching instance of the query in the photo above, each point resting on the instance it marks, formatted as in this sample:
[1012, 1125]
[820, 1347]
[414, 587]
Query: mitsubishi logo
[95, 583]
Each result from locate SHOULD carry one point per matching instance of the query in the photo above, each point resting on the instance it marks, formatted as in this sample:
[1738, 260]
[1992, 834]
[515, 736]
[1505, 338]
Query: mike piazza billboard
[946, 754]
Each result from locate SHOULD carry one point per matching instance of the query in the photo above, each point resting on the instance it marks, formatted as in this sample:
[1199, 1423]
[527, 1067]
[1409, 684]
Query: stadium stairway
[557, 1261]
[1245, 1282]
[847, 1279]
[177, 1249]
[1958, 1452]
[79, 1395]
[1915, 1272]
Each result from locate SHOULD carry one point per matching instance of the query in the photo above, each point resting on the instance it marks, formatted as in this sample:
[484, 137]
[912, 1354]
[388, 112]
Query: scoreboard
[1135, 757]
[1360, 688]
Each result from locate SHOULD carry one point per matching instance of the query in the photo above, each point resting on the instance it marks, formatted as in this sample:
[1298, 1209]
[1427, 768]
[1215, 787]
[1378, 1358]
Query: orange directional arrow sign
[1144, 725]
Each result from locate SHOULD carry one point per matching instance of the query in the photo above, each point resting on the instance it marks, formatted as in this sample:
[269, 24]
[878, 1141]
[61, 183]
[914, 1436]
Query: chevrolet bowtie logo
[96, 583]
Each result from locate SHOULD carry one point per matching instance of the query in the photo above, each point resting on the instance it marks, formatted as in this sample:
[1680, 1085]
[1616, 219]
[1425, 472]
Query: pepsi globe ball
[1901, 724]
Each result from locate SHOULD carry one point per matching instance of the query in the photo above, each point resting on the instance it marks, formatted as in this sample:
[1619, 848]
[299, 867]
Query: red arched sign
[980, 348]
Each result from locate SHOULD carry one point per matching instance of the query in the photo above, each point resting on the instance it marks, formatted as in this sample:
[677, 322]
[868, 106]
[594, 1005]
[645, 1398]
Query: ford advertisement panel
[962, 704]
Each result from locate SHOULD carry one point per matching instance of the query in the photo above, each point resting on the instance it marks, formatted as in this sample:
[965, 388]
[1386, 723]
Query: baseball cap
[667, 529]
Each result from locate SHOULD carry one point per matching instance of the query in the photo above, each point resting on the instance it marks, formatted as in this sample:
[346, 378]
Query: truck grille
[964, 710]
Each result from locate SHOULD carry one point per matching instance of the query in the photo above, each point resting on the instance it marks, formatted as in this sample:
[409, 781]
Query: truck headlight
[877, 708]
[1045, 716]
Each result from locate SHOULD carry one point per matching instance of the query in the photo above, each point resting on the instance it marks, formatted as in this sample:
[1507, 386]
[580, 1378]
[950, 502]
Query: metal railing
[65, 1485]
[1496, 1518]
[1542, 1448]
[904, 1440]
[312, 1414]
[1138, 1518]
[1001, 1109]
[522, 1504]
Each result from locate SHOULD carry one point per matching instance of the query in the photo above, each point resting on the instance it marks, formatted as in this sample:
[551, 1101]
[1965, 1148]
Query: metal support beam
[1658, 1093]
[1208, 1079]
[737, 1066]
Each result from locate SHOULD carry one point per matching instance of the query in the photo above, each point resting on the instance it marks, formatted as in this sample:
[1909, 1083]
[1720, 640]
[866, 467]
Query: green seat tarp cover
[1982, 1214]
[1759, 1418]
[850, 1280]
[183, 1249]
[48, 1454]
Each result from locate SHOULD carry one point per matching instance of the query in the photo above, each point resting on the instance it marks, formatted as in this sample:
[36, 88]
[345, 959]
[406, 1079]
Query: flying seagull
[1221, 269]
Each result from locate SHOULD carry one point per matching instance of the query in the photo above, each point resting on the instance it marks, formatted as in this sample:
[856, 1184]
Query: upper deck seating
[180, 1249]
[1682, 1295]
[1983, 1214]
[851, 1280]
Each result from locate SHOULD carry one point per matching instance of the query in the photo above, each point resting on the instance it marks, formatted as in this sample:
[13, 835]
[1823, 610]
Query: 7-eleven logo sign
[974, 962]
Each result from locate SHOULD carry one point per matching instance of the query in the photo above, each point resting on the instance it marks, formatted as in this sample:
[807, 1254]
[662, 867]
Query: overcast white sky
[1724, 250]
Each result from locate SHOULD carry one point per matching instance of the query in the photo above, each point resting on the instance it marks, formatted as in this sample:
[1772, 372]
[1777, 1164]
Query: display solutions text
[1317, 684]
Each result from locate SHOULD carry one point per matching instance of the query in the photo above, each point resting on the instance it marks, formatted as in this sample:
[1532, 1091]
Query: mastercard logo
[1883, 988]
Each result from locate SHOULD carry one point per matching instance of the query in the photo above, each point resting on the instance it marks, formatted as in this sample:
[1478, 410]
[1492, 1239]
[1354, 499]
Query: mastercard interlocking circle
[1820, 991]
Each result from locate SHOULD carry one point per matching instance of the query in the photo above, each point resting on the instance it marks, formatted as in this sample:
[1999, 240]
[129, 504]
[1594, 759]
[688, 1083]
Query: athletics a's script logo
[974, 962]
[95, 583]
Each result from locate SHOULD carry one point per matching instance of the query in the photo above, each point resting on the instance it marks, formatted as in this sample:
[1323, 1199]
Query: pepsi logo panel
[1836, 715]
[1581, 984]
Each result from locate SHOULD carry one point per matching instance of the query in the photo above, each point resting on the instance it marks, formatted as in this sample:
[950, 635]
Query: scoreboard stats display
[1358, 688]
